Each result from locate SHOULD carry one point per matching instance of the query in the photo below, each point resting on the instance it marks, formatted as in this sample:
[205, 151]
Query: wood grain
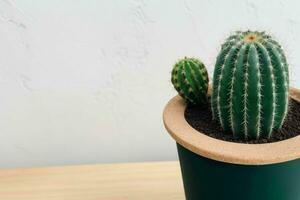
[134, 181]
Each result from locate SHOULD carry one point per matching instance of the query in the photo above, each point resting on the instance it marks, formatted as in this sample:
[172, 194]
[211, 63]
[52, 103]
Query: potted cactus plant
[239, 138]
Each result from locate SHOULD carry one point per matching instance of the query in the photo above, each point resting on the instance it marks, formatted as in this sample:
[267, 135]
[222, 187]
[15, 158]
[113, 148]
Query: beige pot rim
[230, 152]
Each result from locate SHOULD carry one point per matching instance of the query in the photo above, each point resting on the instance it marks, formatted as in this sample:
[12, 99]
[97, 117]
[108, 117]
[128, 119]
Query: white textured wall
[86, 81]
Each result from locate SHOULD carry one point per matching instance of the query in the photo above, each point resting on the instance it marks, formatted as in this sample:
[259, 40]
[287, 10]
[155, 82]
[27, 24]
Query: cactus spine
[250, 85]
[190, 79]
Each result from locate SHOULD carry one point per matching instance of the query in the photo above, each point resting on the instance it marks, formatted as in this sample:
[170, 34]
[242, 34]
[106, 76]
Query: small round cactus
[250, 85]
[190, 79]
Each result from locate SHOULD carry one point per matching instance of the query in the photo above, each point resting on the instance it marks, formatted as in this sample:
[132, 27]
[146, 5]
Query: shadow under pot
[214, 169]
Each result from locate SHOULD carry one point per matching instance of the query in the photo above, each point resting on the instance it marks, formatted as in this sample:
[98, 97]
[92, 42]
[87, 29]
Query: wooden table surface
[134, 181]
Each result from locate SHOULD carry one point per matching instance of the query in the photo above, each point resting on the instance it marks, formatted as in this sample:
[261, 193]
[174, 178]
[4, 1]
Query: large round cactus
[250, 85]
[190, 79]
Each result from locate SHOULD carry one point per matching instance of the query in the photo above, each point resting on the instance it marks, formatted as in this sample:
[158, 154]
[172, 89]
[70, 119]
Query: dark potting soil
[200, 118]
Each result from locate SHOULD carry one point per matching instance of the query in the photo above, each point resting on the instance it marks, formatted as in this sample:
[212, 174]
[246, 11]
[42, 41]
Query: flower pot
[214, 169]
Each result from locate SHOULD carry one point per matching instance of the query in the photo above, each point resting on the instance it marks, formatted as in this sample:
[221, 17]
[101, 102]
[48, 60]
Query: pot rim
[224, 151]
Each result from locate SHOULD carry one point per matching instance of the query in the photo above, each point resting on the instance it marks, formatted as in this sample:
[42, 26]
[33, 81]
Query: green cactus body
[250, 85]
[190, 79]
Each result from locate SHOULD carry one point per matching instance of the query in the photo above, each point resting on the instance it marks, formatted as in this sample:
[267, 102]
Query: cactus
[250, 85]
[190, 79]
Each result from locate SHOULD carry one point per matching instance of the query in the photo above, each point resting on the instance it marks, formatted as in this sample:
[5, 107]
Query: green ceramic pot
[213, 169]
[207, 179]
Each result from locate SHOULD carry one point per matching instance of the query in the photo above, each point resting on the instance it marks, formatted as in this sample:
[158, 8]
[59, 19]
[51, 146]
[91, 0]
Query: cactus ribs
[200, 118]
